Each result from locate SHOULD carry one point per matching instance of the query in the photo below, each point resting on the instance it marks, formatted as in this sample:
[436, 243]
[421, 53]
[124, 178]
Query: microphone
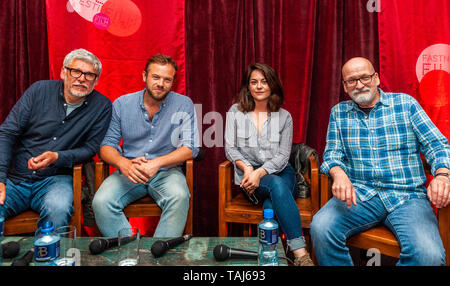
[99, 245]
[10, 249]
[24, 260]
[160, 247]
[223, 252]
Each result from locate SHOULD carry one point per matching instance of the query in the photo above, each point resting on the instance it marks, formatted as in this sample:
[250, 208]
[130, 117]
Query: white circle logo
[435, 57]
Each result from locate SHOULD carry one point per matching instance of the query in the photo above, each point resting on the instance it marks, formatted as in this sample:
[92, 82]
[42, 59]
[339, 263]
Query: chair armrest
[325, 189]
[226, 182]
[314, 182]
[77, 183]
[101, 173]
[190, 175]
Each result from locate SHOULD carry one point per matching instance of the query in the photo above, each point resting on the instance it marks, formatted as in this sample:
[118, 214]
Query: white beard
[79, 94]
[363, 98]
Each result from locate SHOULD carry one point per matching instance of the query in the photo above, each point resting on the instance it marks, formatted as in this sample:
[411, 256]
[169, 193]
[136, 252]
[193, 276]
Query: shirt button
[373, 131]
[54, 138]
[146, 154]
[63, 122]
[150, 140]
[34, 172]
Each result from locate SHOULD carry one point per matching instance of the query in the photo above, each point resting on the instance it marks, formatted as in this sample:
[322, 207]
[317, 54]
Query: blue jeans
[167, 188]
[414, 224]
[278, 191]
[51, 197]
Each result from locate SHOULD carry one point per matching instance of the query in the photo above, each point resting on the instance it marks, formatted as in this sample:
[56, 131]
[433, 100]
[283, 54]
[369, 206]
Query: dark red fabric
[344, 29]
[123, 57]
[23, 49]
[409, 33]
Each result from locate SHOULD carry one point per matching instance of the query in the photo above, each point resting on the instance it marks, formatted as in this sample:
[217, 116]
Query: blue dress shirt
[173, 126]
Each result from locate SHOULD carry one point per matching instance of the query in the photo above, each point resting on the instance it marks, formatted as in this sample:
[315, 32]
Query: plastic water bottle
[268, 240]
[46, 245]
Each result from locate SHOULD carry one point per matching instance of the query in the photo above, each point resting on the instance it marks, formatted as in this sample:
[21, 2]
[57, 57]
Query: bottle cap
[47, 227]
[268, 213]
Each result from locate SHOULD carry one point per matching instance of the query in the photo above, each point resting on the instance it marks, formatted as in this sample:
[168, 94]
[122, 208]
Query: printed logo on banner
[433, 74]
[121, 18]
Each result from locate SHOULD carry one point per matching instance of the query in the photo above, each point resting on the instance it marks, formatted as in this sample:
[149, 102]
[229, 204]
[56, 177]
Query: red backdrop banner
[123, 34]
[415, 54]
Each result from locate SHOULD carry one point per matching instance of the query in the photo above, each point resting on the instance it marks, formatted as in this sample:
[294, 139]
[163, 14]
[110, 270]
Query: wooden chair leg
[223, 229]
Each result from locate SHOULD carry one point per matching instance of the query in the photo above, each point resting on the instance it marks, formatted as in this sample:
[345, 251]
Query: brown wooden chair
[234, 207]
[381, 237]
[26, 222]
[146, 206]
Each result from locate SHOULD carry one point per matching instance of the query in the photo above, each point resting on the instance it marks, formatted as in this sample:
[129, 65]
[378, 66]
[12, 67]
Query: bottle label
[269, 236]
[46, 252]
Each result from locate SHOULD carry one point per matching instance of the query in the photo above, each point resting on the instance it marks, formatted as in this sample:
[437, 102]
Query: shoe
[304, 260]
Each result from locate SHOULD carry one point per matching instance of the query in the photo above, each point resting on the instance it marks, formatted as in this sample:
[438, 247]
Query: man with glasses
[373, 155]
[52, 127]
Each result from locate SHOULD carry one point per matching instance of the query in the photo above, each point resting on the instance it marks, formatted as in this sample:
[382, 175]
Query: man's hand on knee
[342, 187]
[439, 191]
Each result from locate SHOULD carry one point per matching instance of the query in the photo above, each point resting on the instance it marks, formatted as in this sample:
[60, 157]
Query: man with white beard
[52, 127]
[373, 155]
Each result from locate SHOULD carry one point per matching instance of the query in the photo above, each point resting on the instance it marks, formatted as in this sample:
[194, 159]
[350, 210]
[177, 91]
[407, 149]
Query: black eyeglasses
[365, 79]
[75, 73]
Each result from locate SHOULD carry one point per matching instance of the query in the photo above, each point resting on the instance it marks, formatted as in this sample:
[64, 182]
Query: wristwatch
[443, 174]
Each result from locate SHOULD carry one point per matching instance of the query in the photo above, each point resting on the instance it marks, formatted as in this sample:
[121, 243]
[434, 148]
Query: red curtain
[23, 49]
[344, 29]
[415, 54]
[137, 30]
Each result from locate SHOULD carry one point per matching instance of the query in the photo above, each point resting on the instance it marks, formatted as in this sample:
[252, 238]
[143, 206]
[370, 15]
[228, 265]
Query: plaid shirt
[381, 153]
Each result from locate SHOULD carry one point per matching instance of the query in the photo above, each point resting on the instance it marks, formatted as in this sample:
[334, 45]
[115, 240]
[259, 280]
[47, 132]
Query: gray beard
[362, 99]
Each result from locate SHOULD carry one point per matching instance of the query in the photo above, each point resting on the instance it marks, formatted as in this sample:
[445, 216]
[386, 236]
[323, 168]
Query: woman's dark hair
[245, 100]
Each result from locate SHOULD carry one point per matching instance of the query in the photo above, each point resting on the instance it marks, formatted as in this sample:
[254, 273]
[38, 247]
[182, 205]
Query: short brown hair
[245, 101]
[162, 60]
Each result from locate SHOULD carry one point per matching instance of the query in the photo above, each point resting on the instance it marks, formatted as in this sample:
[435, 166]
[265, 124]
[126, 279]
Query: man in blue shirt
[373, 155]
[159, 132]
[53, 126]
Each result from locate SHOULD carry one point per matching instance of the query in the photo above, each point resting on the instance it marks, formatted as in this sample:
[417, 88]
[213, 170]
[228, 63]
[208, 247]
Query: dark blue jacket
[38, 123]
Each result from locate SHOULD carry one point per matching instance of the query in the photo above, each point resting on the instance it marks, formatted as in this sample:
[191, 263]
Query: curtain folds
[23, 49]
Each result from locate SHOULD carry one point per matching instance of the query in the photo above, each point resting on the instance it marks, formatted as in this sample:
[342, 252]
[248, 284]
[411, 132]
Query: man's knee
[425, 254]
